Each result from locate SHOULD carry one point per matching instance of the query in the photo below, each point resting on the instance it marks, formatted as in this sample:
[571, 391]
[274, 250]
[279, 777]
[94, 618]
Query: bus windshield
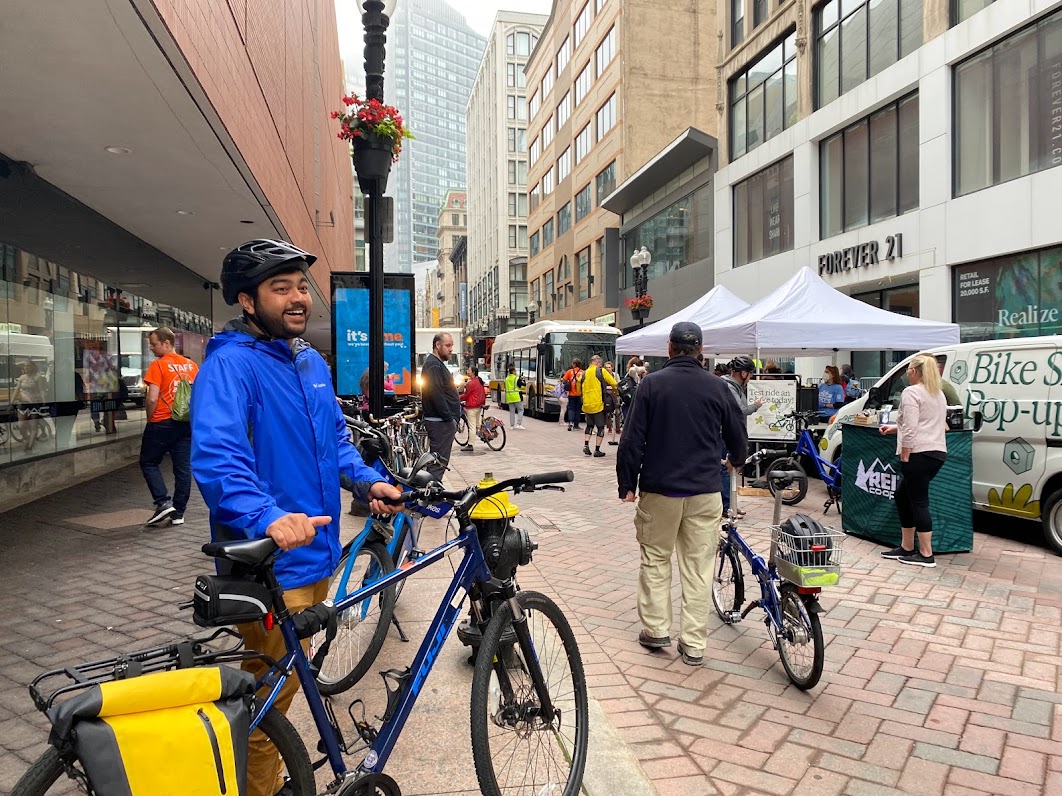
[563, 347]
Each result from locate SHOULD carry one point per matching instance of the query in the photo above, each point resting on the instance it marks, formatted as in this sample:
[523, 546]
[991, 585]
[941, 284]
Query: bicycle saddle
[253, 552]
[783, 475]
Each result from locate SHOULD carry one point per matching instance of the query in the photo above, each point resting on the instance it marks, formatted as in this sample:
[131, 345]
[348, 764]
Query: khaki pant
[263, 760]
[691, 526]
[475, 417]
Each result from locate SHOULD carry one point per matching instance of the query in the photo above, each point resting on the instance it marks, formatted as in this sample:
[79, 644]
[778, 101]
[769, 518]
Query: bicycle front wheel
[728, 584]
[363, 626]
[496, 438]
[800, 644]
[797, 489]
[516, 749]
[46, 775]
[461, 435]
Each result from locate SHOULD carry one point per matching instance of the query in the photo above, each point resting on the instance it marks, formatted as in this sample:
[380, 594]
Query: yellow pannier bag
[174, 732]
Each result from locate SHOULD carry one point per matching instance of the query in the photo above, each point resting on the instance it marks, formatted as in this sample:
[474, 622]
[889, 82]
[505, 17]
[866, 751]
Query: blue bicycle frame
[829, 472]
[472, 570]
[765, 574]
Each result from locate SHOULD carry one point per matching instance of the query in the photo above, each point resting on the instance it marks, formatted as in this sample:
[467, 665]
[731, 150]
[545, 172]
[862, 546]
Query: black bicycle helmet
[742, 364]
[810, 544]
[250, 264]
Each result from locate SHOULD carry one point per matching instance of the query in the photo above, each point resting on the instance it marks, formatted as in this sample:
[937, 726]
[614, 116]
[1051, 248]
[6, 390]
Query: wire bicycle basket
[808, 561]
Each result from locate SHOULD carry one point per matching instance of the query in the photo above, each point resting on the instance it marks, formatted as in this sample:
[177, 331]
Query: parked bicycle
[385, 543]
[794, 488]
[529, 697]
[805, 557]
[491, 430]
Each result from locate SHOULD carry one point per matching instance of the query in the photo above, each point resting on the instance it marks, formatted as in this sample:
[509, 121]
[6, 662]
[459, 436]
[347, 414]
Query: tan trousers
[475, 417]
[263, 760]
[691, 526]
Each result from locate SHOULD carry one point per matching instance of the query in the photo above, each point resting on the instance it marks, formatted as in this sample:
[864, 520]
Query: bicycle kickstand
[401, 633]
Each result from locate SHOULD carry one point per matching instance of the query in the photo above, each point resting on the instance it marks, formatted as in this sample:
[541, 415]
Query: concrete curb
[611, 767]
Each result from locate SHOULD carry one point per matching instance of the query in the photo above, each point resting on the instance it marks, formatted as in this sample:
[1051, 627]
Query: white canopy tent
[807, 317]
[715, 306]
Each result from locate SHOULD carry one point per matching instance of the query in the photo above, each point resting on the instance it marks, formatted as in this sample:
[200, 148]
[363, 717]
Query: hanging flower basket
[376, 132]
[639, 313]
[639, 302]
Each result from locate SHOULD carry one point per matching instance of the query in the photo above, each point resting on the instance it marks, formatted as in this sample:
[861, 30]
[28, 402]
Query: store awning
[675, 158]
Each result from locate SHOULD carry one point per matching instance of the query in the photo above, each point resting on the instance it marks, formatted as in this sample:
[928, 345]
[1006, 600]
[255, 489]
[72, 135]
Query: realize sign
[860, 256]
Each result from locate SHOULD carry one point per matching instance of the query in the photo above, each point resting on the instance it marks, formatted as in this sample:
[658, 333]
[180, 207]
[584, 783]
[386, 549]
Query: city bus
[542, 352]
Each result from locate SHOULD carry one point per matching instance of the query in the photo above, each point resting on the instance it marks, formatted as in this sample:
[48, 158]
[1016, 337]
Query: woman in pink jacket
[922, 449]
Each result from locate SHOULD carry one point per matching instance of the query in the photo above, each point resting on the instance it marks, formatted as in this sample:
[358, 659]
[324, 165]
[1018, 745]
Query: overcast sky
[478, 13]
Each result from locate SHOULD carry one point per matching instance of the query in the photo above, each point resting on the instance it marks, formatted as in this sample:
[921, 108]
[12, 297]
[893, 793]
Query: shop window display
[73, 352]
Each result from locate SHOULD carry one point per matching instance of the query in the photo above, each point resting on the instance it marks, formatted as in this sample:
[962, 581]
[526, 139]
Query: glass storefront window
[1008, 107]
[763, 98]
[1015, 296]
[677, 236]
[73, 352]
[961, 10]
[901, 300]
[763, 213]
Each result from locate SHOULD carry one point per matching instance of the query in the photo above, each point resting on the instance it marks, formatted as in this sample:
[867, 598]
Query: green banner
[871, 473]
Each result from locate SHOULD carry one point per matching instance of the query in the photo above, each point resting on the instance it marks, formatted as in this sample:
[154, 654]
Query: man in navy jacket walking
[669, 456]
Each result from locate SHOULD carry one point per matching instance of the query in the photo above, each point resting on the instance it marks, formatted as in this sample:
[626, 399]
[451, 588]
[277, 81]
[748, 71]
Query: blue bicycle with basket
[805, 557]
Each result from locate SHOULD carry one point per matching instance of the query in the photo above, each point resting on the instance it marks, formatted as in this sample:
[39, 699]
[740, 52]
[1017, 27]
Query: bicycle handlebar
[464, 498]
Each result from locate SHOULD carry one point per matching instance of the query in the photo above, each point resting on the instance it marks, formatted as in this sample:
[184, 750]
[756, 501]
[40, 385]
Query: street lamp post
[372, 177]
[640, 261]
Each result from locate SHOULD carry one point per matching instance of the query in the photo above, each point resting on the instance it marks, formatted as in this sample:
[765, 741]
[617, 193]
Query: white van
[1011, 390]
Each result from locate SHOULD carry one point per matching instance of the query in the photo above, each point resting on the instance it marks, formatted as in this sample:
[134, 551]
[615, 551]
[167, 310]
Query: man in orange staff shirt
[163, 434]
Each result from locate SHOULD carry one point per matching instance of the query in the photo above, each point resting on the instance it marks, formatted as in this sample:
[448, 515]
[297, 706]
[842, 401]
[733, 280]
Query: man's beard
[442, 355]
[280, 326]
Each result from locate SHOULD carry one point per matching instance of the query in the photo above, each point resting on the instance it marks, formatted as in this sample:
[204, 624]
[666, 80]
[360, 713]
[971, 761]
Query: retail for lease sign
[1015, 296]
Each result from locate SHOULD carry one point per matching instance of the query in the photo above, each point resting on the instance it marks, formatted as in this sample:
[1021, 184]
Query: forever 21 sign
[861, 256]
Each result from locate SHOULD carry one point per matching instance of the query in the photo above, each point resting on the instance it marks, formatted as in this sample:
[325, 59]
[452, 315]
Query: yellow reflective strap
[169, 752]
[160, 690]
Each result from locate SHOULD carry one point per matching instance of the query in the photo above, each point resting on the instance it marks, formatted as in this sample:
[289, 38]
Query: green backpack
[181, 407]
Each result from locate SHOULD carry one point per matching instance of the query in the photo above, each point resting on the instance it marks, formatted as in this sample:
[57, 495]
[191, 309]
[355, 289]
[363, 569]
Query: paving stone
[956, 758]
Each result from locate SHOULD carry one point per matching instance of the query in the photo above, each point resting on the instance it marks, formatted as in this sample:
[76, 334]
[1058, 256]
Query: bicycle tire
[47, 770]
[357, 643]
[728, 572]
[461, 434]
[486, 696]
[793, 619]
[496, 443]
[799, 489]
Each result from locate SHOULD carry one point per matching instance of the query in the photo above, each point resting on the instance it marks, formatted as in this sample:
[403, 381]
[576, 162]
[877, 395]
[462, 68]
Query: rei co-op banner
[350, 329]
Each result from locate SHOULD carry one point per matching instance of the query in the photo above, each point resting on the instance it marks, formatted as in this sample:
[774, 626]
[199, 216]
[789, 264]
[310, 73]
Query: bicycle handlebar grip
[559, 477]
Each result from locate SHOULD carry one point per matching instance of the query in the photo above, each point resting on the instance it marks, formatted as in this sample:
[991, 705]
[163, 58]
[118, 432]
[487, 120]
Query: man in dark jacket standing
[669, 453]
[442, 407]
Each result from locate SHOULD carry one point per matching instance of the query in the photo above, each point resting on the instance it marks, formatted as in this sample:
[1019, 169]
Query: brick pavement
[937, 681]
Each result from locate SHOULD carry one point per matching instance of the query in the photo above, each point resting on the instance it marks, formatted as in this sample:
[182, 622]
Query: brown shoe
[690, 657]
[653, 642]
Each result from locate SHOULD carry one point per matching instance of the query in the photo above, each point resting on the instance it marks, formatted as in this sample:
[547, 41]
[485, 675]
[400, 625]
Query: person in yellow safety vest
[593, 389]
[514, 399]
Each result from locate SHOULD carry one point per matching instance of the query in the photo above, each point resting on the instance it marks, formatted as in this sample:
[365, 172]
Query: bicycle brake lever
[553, 487]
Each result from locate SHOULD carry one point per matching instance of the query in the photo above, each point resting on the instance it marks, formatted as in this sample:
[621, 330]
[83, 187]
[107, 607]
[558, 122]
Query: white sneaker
[521, 427]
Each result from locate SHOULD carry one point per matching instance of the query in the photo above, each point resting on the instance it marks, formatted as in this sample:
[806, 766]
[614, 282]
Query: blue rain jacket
[268, 439]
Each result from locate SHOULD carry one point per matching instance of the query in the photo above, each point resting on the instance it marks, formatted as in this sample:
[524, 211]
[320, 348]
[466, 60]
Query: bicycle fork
[546, 710]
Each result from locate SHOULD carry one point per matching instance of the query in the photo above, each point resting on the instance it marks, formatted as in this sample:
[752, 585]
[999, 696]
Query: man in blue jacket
[669, 456]
[269, 444]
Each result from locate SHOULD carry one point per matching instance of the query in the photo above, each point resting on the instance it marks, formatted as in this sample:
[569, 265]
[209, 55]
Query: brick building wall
[272, 71]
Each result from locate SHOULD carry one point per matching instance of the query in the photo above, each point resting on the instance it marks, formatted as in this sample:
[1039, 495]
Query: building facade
[192, 137]
[441, 287]
[905, 150]
[604, 101]
[497, 176]
[431, 62]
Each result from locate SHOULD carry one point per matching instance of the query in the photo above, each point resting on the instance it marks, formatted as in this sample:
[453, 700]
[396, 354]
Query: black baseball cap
[686, 333]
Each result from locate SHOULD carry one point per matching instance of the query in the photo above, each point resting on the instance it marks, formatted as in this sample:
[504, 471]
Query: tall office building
[497, 177]
[611, 84]
[431, 63]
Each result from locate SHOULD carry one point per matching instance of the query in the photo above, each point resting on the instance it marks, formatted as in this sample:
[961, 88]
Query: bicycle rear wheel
[728, 584]
[516, 751]
[797, 489]
[363, 626]
[46, 775]
[496, 438]
[461, 435]
[800, 644]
